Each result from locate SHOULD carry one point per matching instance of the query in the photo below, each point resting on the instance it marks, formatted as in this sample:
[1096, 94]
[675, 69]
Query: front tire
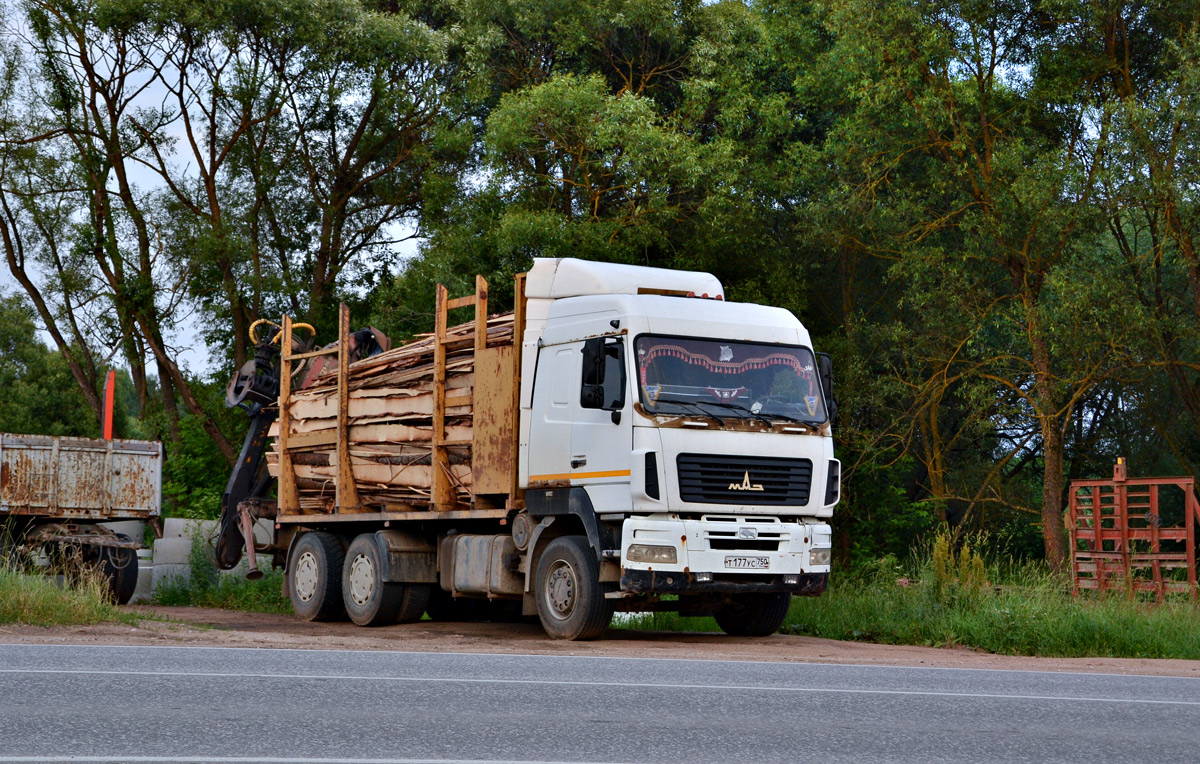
[315, 577]
[570, 600]
[754, 615]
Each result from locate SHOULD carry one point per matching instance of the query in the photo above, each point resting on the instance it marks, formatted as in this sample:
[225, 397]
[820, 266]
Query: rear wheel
[120, 567]
[414, 598]
[315, 577]
[754, 615]
[570, 600]
[370, 601]
[127, 560]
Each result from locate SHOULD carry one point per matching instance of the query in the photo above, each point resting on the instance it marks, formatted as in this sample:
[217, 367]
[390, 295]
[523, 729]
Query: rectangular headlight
[651, 553]
[819, 556]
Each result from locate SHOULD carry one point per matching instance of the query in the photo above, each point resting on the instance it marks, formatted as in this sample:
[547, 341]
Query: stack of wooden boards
[391, 414]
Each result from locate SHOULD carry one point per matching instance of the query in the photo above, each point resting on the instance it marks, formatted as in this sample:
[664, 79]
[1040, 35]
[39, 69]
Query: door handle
[577, 463]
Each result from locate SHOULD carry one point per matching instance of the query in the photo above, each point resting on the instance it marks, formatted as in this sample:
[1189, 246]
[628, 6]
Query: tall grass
[38, 600]
[1030, 612]
[208, 588]
[948, 595]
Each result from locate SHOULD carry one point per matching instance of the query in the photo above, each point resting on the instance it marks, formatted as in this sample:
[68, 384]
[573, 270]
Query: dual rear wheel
[328, 583]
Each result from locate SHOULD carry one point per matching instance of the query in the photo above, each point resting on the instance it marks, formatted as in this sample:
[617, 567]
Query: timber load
[426, 426]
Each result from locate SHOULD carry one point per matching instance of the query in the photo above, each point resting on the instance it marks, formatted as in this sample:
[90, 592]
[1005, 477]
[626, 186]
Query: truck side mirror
[825, 372]
[603, 384]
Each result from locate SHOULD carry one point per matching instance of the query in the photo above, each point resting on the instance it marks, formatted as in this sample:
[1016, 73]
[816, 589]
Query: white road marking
[647, 685]
[257, 760]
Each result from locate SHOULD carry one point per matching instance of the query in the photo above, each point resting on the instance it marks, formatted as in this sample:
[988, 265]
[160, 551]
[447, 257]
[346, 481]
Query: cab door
[602, 436]
[555, 407]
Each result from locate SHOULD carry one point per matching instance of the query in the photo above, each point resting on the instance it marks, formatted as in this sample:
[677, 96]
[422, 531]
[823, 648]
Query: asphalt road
[169, 704]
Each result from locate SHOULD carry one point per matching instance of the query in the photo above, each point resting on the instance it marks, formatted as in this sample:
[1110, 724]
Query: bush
[207, 587]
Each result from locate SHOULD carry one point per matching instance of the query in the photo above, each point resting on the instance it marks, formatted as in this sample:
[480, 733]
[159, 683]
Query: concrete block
[163, 573]
[172, 551]
[145, 584]
[178, 527]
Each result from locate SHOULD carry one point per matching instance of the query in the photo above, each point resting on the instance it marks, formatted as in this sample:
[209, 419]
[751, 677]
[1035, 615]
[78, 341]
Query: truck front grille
[751, 480]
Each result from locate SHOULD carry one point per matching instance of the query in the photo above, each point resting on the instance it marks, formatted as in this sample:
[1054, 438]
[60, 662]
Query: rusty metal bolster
[678, 582]
[69, 533]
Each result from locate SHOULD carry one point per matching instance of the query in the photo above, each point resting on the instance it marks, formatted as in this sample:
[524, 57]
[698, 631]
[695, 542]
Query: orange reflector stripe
[579, 476]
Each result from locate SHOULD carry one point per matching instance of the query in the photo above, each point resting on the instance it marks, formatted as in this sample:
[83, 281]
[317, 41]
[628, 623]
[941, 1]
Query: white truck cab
[691, 434]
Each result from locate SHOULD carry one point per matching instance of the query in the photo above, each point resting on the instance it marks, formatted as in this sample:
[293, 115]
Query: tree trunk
[1053, 480]
[1053, 529]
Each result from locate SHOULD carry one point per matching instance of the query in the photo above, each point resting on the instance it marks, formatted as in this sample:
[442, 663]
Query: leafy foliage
[986, 211]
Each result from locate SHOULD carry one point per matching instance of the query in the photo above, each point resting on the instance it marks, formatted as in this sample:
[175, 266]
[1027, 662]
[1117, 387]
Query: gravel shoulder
[205, 627]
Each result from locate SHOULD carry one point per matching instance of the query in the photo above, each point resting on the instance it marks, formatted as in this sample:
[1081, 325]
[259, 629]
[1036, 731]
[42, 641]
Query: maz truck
[623, 440]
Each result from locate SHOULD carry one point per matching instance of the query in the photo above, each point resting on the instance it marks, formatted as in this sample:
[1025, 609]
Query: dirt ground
[203, 627]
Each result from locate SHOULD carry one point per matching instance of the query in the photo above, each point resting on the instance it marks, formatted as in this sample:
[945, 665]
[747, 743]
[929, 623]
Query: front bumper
[647, 581]
[727, 553]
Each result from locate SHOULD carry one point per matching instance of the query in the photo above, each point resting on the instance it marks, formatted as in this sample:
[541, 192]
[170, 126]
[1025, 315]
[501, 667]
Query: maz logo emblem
[745, 485]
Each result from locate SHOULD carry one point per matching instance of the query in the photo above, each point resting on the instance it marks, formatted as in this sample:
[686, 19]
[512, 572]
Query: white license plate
[748, 563]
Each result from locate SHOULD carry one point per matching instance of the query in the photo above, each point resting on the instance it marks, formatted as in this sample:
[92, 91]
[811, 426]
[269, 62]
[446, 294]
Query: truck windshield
[727, 379]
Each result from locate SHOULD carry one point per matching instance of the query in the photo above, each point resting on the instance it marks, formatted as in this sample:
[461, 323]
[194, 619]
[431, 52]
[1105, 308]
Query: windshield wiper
[768, 418]
[735, 407]
[693, 404]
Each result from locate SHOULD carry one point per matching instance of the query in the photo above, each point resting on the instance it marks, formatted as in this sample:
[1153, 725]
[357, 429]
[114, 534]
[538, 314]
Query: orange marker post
[109, 386]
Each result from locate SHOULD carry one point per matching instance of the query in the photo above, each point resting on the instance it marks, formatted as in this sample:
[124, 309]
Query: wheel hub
[306, 576]
[561, 590]
[362, 579]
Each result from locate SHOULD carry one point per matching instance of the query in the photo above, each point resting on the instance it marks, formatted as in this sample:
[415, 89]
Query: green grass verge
[38, 600]
[207, 588]
[1040, 619]
[941, 600]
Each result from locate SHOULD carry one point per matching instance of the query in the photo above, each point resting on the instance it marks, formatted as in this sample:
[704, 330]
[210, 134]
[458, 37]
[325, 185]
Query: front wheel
[754, 615]
[570, 600]
[315, 577]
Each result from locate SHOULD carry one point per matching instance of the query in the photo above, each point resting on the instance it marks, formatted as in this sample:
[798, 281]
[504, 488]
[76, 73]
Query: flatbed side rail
[443, 494]
[346, 496]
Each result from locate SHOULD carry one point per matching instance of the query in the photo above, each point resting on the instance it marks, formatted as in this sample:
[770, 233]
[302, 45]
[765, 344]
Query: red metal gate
[1134, 534]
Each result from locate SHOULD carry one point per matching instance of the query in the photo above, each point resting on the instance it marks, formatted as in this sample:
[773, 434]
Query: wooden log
[389, 433]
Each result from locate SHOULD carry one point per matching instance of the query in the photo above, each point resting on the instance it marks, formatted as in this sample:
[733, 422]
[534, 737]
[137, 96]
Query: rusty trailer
[79, 478]
[1134, 535]
[55, 492]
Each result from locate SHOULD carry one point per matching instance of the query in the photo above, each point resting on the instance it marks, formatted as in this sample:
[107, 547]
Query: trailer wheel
[413, 601]
[754, 615]
[570, 599]
[370, 601]
[120, 567]
[315, 577]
